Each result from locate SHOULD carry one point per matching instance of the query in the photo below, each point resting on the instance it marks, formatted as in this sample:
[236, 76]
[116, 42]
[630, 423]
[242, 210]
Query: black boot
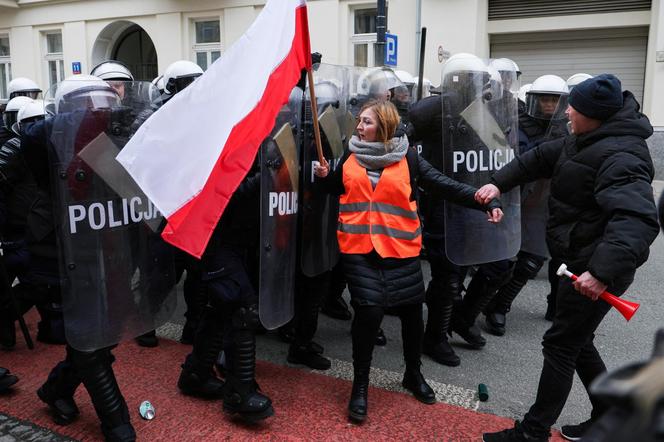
[197, 377]
[6, 380]
[414, 382]
[496, 315]
[479, 294]
[148, 339]
[58, 392]
[98, 377]
[439, 298]
[357, 406]
[309, 356]
[241, 395]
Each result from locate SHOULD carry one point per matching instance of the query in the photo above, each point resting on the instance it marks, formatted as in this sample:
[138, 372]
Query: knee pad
[527, 266]
[246, 318]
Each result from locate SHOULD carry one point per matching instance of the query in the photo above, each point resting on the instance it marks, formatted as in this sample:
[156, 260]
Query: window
[5, 66]
[364, 37]
[207, 38]
[55, 65]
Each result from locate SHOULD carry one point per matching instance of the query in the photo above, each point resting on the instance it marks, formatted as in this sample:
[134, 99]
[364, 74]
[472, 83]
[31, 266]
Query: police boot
[241, 395]
[414, 382]
[496, 315]
[358, 404]
[98, 377]
[148, 339]
[6, 380]
[58, 391]
[478, 295]
[197, 377]
[439, 306]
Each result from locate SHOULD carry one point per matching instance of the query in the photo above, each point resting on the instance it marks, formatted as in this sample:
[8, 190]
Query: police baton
[314, 114]
[626, 308]
[6, 284]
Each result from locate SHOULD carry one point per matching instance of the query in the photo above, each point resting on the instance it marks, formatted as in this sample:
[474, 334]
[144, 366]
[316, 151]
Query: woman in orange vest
[380, 239]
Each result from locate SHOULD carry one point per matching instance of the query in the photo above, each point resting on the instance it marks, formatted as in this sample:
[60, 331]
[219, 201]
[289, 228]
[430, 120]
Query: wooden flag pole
[314, 116]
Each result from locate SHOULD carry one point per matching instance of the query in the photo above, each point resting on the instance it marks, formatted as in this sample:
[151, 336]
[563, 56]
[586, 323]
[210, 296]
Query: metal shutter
[509, 9]
[620, 51]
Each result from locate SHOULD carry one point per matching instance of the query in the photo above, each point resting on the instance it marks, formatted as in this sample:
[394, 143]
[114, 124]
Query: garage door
[621, 52]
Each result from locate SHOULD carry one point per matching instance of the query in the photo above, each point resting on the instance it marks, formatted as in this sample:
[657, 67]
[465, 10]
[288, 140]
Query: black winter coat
[602, 213]
[391, 282]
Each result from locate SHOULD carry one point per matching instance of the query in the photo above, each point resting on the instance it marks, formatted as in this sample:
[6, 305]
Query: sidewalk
[307, 405]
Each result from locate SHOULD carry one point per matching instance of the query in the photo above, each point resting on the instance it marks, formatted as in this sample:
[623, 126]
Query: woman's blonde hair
[387, 116]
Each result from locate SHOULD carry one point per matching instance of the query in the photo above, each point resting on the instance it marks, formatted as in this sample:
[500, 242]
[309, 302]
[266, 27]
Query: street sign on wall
[391, 47]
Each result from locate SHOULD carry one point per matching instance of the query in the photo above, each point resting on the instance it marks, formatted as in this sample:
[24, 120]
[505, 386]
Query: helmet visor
[546, 106]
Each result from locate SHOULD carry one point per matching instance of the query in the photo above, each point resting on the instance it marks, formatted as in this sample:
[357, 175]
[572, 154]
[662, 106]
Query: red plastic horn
[626, 308]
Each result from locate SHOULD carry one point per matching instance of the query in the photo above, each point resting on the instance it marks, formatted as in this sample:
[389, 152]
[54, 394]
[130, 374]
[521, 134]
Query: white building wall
[653, 98]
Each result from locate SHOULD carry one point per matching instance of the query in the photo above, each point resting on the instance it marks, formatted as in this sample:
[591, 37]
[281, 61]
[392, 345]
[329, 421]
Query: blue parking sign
[391, 45]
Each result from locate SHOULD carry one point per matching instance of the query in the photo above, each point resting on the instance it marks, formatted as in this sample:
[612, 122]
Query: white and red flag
[191, 155]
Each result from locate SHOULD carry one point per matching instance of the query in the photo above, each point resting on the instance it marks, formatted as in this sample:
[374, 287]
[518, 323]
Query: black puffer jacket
[391, 282]
[602, 213]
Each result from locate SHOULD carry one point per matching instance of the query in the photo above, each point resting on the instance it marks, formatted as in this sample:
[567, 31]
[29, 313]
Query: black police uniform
[231, 311]
[92, 368]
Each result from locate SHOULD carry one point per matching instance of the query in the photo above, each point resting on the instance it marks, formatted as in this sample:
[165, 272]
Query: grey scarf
[377, 155]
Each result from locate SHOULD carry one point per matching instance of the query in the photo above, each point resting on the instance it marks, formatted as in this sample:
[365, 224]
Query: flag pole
[314, 116]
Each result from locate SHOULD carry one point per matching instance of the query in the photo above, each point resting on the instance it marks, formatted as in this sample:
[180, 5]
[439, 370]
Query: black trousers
[366, 322]
[309, 293]
[568, 347]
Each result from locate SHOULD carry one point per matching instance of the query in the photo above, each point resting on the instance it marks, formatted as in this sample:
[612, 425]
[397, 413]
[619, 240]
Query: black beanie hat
[598, 97]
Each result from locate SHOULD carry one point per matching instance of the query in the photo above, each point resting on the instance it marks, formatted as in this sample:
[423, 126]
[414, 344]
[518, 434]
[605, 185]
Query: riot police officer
[10, 115]
[92, 368]
[543, 120]
[232, 311]
[17, 193]
[23, 87]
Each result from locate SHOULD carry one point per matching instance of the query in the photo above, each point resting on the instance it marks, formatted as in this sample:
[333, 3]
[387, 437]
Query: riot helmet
[158, 82]
[377, 83]
[523, 90]
[402, 95]
[85, 92]
[426, 88]
[493, 90]
[576, 79]
[509, 72]
[327, 94]
[22, 86]
[112, 70]
[179, 75]
[465, 76]
[115, 73]
[30, 112]
[14, 105]
[547, 98]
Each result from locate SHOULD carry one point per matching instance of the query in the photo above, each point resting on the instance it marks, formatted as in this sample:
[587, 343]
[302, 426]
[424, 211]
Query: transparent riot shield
[319, 249]
[279, 215]
[479, 137]
[117, 274]
[535, 195]
[372, 84]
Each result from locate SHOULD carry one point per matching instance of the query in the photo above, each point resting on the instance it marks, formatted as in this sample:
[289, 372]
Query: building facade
[48, 40]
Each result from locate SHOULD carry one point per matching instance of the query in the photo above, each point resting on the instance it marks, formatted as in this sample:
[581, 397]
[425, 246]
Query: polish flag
[191, 155]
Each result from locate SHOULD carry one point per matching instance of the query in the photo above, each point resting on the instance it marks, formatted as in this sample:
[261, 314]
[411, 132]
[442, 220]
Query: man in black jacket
[601, 223]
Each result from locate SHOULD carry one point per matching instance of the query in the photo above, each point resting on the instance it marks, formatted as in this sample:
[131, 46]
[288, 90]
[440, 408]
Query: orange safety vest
[384, 218]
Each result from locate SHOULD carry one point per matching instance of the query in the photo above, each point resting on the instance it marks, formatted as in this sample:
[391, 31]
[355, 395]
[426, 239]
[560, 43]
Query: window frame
[57, 57]
[205, 48]
[6, 60]
[368, 39]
